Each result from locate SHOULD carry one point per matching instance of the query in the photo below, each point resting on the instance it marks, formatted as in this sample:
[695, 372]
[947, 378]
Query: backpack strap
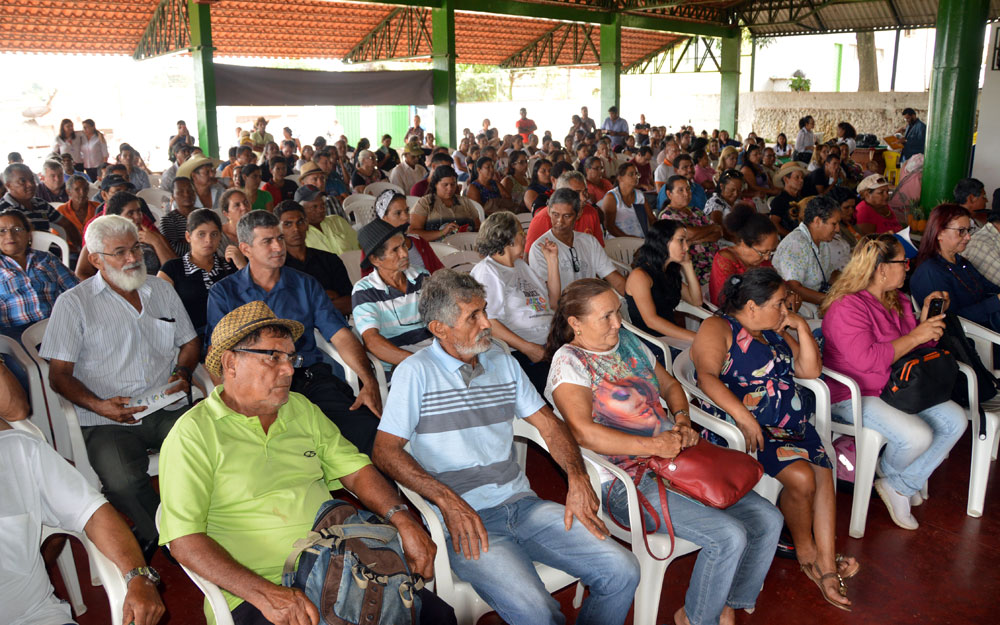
[334, 535]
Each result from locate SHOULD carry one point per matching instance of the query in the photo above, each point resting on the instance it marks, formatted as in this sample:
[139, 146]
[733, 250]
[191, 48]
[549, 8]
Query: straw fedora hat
[236, 325]
[787, 168]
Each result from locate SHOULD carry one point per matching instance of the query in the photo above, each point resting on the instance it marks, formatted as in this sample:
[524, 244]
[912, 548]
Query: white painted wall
[986, 166]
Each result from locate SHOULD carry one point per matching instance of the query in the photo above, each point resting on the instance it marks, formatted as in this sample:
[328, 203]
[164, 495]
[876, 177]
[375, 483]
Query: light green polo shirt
[253, 493]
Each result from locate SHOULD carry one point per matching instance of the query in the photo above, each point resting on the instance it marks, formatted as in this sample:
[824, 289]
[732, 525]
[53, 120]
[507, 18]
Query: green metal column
[445, 80]
[958, 54]
[611, 64]
[204, 77]
[729, 67]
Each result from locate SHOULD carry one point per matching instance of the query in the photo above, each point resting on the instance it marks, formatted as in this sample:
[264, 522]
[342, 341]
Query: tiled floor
[947, 572]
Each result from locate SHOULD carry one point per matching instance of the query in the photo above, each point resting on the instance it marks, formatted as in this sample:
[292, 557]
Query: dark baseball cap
[116, 180]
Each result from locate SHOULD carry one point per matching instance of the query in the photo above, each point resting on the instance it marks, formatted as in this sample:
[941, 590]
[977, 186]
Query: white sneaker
[898, 505]
[916, 499]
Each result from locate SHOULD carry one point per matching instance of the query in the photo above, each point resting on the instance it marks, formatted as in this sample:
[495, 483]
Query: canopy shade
[258, 86]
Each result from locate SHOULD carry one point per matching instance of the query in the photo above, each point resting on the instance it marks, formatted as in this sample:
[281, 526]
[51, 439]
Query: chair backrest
[411, 201]
[155, 198]
[293, 177]
[622, 249]
[39, 416]
[479, 209]
[42, 241]
[360, 209]
[375, 188]
[462, 240]
[525, 219]
[352, 260]
[443, 249]
[462, 261]
[31, 340]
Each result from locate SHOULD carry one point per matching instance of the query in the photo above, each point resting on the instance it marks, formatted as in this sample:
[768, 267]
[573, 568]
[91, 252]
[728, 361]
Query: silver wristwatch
[146, 571]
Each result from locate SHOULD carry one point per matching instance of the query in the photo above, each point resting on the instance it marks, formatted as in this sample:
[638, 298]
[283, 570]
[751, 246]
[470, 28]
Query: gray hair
[442, 292]
[566, 196]
[251, 221]
[822, 206]
[496, 233]
[53, 165]
[569, 176]
[105, 227]
[14, 168]
[365, 154]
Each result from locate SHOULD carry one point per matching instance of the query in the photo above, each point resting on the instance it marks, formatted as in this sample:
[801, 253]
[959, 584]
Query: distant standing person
[806, 140]
[525, 126]
[914, 134]
[416, 130]
[587, 123]
[615, 127]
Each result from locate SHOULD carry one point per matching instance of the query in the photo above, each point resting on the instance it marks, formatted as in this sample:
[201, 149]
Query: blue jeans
[737, 545]
[532, 529]
[915, 443]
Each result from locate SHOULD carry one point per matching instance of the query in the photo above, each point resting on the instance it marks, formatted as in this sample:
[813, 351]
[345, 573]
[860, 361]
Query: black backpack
[964, 350]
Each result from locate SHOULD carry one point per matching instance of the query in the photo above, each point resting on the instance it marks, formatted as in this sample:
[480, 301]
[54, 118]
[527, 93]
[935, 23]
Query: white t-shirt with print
[516, 297]
[592, 260]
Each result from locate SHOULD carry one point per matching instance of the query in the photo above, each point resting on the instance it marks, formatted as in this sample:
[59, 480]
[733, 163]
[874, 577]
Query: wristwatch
[146, 571]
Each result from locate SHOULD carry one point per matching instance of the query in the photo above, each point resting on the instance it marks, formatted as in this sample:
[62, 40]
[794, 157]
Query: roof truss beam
[547, 49]
[169, 30]
[698, 51]
[400, 35]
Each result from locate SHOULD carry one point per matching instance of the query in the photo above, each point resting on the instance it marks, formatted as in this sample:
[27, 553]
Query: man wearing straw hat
[243, 473]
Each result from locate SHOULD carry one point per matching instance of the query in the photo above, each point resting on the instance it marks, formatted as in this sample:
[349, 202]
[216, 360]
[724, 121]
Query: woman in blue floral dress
[746, 362]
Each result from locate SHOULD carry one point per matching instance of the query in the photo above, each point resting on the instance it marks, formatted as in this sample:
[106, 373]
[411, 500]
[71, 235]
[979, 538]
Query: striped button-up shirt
[116, 349]
[27, 295]
[983, 251]
[460, 421]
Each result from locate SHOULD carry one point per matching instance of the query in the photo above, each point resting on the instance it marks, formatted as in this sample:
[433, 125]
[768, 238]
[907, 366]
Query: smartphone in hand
[935, 308]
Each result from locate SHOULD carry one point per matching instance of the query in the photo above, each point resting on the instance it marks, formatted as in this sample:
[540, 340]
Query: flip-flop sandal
[849, 573]
[841, 587]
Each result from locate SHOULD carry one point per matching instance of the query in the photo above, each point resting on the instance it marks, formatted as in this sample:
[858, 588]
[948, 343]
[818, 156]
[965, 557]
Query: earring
[578, 333]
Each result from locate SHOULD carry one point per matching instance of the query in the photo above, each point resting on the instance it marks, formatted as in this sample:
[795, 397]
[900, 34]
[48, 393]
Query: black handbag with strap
[923, 378]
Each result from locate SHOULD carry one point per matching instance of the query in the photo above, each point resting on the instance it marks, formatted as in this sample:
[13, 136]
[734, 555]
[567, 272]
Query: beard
[481, 343]
[129, 277]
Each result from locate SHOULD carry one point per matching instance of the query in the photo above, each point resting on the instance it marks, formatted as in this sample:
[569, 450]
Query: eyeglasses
[16, 230]
[905, 262]
[135, 250]
[576, 259]
[962, 231]
[275, 356]
[764, 255]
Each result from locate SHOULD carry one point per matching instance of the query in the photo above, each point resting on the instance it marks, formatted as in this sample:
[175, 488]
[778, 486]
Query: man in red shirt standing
[525, 126]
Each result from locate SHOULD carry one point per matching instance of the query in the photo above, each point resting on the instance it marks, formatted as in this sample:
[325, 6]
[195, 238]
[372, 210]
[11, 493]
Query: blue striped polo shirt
[462, 433]
[394, 314]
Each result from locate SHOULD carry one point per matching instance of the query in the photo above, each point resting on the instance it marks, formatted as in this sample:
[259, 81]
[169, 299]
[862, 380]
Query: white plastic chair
[524, 219]
[462, 240]
[293, 177]
[360, 209]
[154, 180]
[375, 188]
[411, 201]
[352, 261]
[350, 376]
[443, 249]
[768, 487]
[42, 241]
[621, 268]
[42, 394]
[216, 600]
[622, 249]
[39, 416]
[155, 197]
[103, 570]
[462, 261]
[663, 343]
[479, 209]
[460, 595]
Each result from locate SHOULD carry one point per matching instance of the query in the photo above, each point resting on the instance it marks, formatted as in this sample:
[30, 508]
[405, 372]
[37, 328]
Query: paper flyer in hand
[156, 400]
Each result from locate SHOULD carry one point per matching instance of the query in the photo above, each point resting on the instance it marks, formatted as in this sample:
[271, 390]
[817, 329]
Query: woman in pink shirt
[872, 214]
[868, 324]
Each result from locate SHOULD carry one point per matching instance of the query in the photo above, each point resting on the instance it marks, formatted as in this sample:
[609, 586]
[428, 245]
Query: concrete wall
[986, 165]
[769, 112]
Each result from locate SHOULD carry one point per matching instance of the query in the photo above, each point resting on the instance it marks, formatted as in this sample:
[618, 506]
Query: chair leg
[868, 445]
[979, 473]
[647, 594]
[578, 596]
[67, 568]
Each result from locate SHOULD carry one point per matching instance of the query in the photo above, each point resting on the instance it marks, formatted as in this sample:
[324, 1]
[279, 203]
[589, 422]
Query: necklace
[977, 289]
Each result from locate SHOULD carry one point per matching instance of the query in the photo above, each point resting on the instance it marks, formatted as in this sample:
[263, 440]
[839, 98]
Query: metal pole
[611, 64]
[445, 79]
[729, 68]
[200, 19]
[895, 59]
[958, 54]
[753, 60]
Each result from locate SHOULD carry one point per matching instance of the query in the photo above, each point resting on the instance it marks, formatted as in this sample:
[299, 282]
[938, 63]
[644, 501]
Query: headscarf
[383, 201]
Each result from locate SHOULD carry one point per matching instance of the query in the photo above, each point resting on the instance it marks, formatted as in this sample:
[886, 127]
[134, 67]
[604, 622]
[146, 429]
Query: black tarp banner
[236, 85]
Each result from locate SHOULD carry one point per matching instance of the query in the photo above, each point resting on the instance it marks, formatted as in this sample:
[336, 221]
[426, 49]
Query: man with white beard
[116, 340]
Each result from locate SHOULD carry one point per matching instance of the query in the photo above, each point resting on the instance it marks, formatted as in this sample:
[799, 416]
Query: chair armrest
[972, 386]
[77, 447]
[25, 425]
[855, 391]
[524, 429]
[444, 584]
[621, 268]
[350, 376]
[203, 380]
[695, 311]
[984, 339]
[732, 434]
[658, 342]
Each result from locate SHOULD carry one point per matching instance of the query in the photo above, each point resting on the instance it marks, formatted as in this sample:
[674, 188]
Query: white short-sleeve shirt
[590, 257]
[37, 487]
[516, 297]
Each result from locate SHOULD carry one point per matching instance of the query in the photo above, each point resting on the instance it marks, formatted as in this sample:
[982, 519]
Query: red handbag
[715, 476]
